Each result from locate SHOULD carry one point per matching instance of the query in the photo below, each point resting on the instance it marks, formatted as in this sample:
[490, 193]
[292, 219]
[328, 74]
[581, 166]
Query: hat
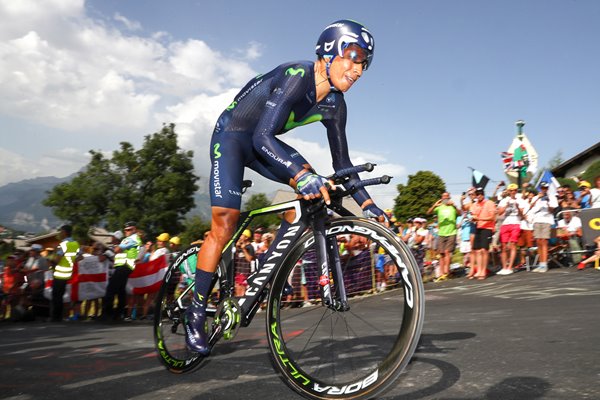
[544, 184]
[259, 230]
[420, 220]
[479, 190]
[163, 237]
[410, 220]
[117, 235]
[247, 233]
[36, 247]
[512, 186]
[175, 240]
[585, 184]
[129, 224]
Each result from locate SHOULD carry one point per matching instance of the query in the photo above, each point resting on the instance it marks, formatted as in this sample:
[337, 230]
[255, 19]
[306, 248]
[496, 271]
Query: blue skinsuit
[270, 105]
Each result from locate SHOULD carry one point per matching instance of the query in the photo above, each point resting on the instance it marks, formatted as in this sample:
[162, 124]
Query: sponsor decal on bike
[173, 362]
[348, 389]
[257, 280]
[284, 360]
[383, 242]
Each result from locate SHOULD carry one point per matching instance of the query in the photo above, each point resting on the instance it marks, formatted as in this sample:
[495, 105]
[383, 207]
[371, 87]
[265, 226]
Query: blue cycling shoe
[195, 329]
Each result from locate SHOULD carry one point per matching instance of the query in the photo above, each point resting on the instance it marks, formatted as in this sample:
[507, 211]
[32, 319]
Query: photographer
[446, 213]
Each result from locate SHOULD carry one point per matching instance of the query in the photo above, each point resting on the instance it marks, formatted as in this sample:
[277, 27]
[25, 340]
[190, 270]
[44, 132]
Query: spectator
[484, 216]
[595, 193]
[161, 250]
[175, 246]
[526, 236]
[244, 256]
[512, 209]
[257, 245]
[161, 246]
[446, 213]
[105, 259]
[13, 281]
[267, 239]
[126, 254]
[568, 201]
[464, 226]
[570, 232]
[358, 267]
[64, 259]
[585, 196]
[542, 207]
[415, 237]
[594, 258]
[35, 267]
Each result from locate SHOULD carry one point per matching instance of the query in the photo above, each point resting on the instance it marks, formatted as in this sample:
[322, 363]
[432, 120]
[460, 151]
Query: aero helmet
[337, 36]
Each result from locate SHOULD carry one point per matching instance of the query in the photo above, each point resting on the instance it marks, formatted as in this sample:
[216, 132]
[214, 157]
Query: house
[575, 166]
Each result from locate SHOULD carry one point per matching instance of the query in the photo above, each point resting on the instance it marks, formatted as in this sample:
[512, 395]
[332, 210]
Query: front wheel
[355, 352]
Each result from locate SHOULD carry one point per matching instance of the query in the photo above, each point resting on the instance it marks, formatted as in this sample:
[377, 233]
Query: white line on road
[111, 377]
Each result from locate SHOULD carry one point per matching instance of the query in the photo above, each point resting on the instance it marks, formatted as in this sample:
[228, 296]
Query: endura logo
[275, 157]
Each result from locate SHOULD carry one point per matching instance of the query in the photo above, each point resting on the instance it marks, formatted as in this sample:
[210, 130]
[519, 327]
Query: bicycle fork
[328, 255]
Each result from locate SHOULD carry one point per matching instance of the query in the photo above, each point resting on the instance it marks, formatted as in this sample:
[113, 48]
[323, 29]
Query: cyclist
[291, 95]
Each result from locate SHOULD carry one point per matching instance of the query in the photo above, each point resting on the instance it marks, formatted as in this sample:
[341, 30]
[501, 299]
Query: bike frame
[307, 214]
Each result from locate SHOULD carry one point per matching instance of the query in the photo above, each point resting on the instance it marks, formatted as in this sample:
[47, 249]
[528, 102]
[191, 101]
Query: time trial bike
[353, 341]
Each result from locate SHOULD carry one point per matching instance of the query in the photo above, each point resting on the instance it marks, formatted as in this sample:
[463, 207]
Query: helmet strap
[327, 65]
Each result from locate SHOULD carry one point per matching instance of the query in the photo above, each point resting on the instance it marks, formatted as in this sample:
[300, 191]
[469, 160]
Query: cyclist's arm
[338, 145]
[287, 90]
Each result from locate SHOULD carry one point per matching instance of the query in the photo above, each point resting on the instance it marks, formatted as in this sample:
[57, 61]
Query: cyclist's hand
[372, 211]
[313, 186]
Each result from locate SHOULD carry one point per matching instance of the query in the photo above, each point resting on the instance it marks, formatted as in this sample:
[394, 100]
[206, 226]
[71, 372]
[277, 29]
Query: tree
[591, 173]
[153, 186]
[194, 228]
[257, 201]
[422, 190]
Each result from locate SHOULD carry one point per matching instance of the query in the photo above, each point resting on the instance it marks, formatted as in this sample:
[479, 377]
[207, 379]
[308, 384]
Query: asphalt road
[523, 336]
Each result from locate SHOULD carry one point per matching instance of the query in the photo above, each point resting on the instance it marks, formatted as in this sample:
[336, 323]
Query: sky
[447, 83]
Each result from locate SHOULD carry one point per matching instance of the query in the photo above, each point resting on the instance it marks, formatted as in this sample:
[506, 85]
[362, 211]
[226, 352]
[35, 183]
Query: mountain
[21, 204]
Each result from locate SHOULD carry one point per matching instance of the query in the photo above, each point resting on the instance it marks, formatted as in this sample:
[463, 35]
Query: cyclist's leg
[227, 161]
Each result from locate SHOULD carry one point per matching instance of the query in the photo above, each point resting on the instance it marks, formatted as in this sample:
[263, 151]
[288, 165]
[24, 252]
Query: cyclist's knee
[289, 216]
[224, 221]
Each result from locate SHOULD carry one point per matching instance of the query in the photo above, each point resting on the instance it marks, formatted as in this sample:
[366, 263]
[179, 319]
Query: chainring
[228, 316]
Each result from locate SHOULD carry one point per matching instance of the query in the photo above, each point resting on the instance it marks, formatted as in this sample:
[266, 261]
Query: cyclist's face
[346, 70]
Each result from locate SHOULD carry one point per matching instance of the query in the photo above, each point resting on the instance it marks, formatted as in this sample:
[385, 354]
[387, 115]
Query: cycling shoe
[195, 329]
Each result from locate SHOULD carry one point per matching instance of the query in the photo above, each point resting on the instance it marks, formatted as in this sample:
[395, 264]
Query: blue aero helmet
[347, 39]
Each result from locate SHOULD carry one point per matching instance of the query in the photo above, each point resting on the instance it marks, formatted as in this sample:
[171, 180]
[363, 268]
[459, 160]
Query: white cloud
[131, 25]
[65, 70]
